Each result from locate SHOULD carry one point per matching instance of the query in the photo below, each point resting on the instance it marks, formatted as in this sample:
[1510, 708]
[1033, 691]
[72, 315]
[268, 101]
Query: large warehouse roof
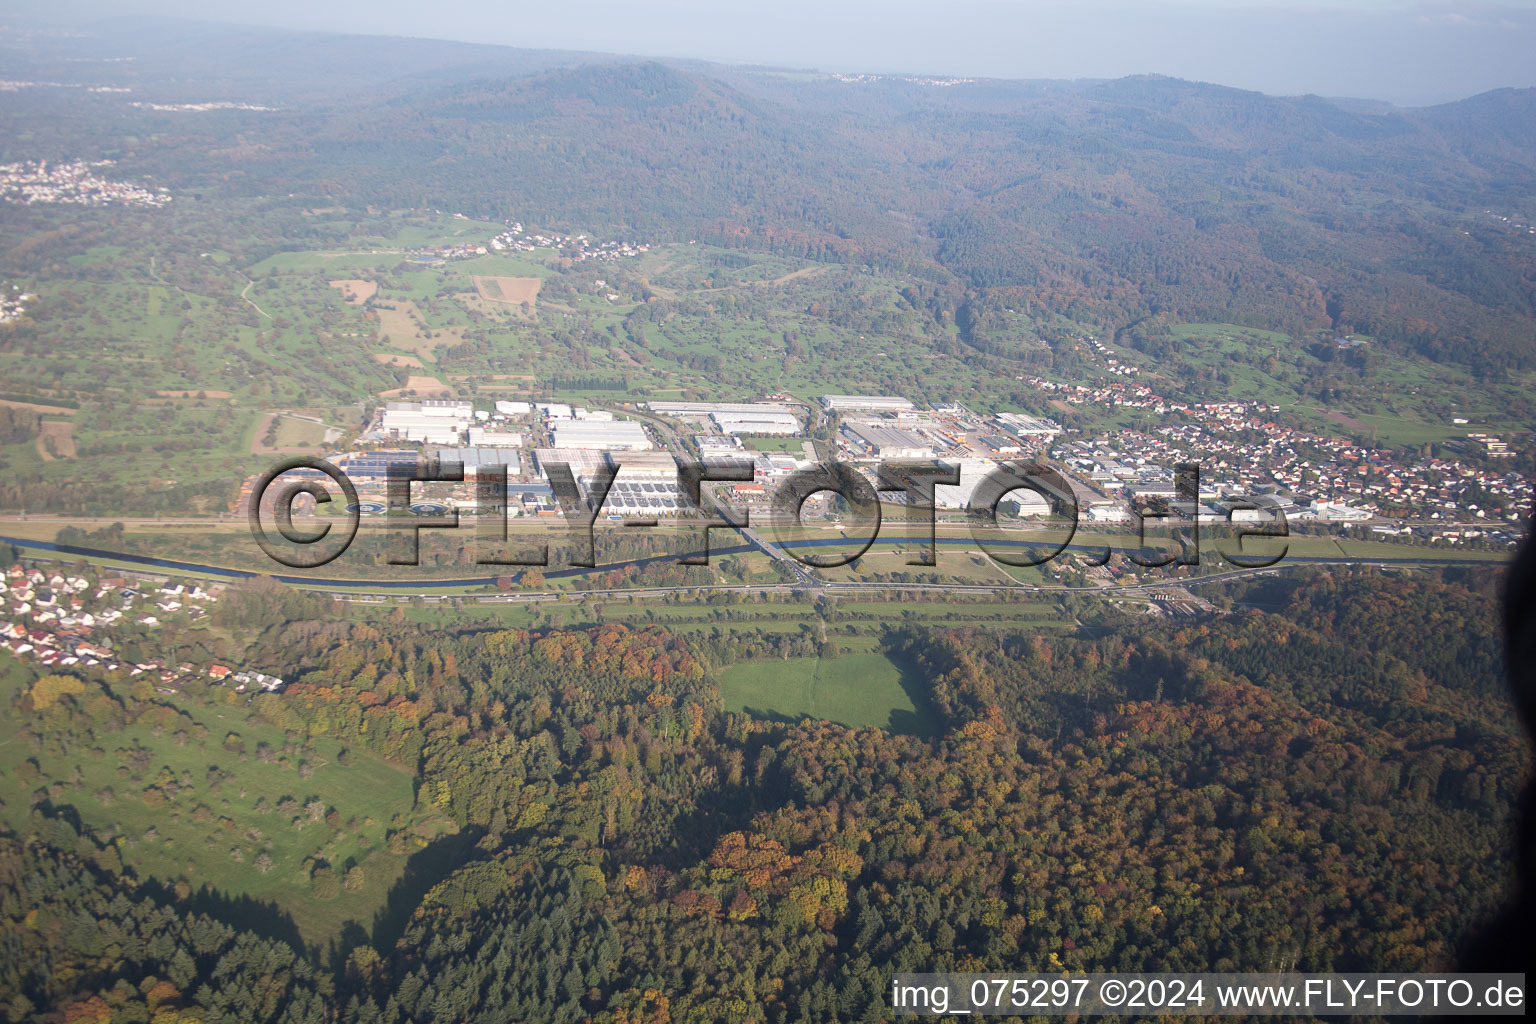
[618, 435]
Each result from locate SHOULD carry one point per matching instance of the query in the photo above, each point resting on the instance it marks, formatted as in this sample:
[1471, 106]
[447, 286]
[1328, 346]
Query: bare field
[354, 291]
[34, 407]
[403, 327]
[1345, 420]
[512, 290]
[390, 359]
[295, 436]
[57, 440]
[421, 385]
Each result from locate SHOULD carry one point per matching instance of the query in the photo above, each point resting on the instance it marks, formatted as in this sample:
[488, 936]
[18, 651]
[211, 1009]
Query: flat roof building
[865, 403]
[972, 473]
[482, 437]
[455, 408]
[430, 422]
[475, 458]
[776, 423]
[1028, 426]
[710, 408]
[618, 435]
[887, 442]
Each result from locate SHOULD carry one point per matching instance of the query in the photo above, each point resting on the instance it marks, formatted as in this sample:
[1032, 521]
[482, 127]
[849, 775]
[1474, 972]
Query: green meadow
[856, 690]
[207, 804]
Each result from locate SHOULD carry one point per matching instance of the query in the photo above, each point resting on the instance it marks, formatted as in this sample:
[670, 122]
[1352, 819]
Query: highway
[381, 590]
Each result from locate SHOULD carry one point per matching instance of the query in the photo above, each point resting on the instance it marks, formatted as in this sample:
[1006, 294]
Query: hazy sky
[1408, 52]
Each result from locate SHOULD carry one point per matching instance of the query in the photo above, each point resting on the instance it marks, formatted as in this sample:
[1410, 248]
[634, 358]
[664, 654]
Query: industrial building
[775, 423]
[886, 442]
[616, 435]
[430, 422]
[711, 408]
[484, 437]
[972, 473]
[372, 468]
[578, 460]
[646, 486]
[1028, 426]
[475, 458]
[866, 403]
[716, 446]
[1002, 444]
[514, 408]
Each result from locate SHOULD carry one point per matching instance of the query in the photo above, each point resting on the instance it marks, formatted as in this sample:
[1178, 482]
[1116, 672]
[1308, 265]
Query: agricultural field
[286, 432]
[1362, 391]
[511, 290]
[169, 363]
[355, 292]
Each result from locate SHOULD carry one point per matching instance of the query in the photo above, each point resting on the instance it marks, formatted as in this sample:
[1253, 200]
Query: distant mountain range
[1115, 199]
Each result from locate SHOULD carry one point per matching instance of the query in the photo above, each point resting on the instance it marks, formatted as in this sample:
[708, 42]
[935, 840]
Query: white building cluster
[441, 422]
[581, 247]
[65, 621]
[775, 419]
[75, 183]
[14, 306]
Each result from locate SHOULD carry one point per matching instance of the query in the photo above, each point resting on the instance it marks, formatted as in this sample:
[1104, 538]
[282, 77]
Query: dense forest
[1324, 786]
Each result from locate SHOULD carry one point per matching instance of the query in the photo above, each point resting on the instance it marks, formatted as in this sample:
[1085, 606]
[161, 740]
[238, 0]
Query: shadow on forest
[435, 862]
[776, 717]
[922, 721]
[696, 830]
[263, 918]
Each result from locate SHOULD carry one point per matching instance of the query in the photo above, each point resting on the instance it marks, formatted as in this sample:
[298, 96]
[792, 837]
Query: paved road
[381, 590]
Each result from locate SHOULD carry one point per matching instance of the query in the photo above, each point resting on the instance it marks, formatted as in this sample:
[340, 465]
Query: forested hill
[1330, 788]
[1109, 200]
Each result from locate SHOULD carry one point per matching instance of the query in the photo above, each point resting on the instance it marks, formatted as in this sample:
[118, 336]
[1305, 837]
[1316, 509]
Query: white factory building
[488, 437]
[579, 460]
[715, 446]
[711, 408]
[474, 459]
[614, 435]
[430, 422]
[865, 403]
[777, 423]
[645, 487]
[513, 408]
[1028, 426]
[972, 472]
[1020, 502]
[886, 442]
